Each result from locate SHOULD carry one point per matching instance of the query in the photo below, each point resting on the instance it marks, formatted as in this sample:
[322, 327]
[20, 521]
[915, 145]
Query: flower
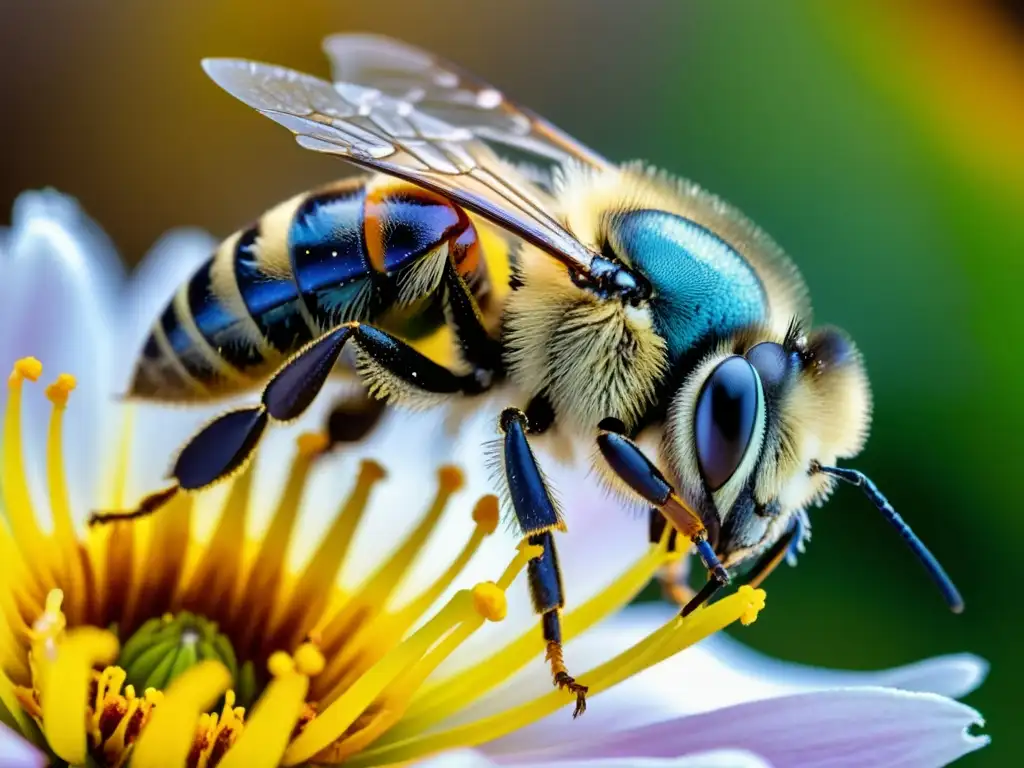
[197, 637]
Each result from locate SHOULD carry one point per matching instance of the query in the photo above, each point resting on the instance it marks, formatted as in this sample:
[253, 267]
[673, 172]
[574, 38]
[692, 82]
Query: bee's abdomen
[363, 249]
[199, 348]
[328, 257]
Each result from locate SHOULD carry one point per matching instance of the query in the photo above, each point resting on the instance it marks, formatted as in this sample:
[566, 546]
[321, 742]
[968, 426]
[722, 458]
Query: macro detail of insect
[632, 310]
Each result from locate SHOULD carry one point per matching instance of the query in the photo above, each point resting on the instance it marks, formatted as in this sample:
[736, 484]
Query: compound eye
[725, 418]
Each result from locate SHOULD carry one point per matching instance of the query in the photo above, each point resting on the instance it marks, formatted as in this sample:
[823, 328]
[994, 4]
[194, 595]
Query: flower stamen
[169, 735]
[13, 479]
[672, 637]
[342, 713]
[453, 693]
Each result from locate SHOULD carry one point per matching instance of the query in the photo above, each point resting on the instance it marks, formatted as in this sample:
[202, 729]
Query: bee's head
[749, 425]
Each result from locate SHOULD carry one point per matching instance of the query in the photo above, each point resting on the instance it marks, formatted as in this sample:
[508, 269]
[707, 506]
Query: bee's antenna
[936, 571]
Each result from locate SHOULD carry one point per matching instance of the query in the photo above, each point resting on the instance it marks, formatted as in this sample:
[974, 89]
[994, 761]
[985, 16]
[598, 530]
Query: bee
[634, 309]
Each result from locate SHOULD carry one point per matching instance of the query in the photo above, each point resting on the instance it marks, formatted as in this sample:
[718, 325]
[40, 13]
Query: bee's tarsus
[562, 680]
[150, 504]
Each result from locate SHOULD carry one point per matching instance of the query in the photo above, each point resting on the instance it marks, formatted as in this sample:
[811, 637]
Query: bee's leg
[226, 444]
[479, 349]
[638, 472]
[671, 576]
[353, 417]
[538, 517]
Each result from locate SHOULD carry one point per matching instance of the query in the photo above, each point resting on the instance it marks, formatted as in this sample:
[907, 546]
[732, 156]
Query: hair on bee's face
[748, 423]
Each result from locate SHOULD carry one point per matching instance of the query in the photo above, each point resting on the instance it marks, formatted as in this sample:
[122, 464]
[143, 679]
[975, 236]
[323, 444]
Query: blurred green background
[880, 141]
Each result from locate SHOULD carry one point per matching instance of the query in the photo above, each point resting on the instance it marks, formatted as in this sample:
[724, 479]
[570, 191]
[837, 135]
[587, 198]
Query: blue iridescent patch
[702, 287]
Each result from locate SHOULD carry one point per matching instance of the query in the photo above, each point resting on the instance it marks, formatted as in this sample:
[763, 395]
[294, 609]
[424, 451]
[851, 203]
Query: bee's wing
[377, 131]
[447, 92]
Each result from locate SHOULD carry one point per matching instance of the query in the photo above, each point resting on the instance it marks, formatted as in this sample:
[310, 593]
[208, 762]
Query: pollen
[26, 368]
[756, 598]
[313, 443]
[451, 478]
[308, 660]
[59, 391]
[485, 514]
[489, 601]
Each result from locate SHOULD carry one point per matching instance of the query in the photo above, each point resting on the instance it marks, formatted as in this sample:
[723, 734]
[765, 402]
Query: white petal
[17, 752]
[159, 430]
[165, 268]
[840, 728]
[718, 672]
[57, 299]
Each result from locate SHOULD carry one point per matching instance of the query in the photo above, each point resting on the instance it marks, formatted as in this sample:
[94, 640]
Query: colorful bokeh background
[880, 141]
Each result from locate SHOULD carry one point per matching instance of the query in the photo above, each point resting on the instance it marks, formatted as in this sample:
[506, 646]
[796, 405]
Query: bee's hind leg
[538, 518]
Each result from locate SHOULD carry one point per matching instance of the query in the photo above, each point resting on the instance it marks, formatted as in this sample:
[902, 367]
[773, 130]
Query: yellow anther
[451, 478]
[312, 443]
[308, 660]
[370, 471]
[59, 390]
[26, 368]
[489, 601]
[280, 664]
[756, 598]
[485, 514]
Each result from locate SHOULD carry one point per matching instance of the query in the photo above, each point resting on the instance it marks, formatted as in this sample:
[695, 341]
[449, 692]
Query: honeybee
[633, 303]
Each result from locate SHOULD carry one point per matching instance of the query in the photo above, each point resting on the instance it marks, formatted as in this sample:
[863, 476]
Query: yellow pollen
[312, 443]
[280, 664]
[489, 601]
[756, 598]
[60, 389]
[25, 368]
[485, 514]
[451, 479]
[308, 660]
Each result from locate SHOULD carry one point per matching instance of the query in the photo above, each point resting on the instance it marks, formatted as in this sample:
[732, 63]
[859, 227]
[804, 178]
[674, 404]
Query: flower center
[162, 649]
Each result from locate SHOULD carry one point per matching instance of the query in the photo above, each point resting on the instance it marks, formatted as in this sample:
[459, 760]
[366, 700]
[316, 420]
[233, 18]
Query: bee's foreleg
[538, 517]
[638, 472]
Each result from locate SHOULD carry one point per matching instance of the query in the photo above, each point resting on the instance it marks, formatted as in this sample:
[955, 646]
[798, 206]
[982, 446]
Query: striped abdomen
[370, 249]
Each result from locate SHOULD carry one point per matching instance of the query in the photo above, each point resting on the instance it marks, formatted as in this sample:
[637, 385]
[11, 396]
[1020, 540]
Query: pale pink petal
[726, 758]
[460, 758]
[716, 673]
[17, 752]
[841, 728]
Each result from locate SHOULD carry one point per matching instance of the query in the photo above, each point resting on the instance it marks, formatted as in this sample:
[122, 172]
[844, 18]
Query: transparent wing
[449, 93]
[375, 130]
